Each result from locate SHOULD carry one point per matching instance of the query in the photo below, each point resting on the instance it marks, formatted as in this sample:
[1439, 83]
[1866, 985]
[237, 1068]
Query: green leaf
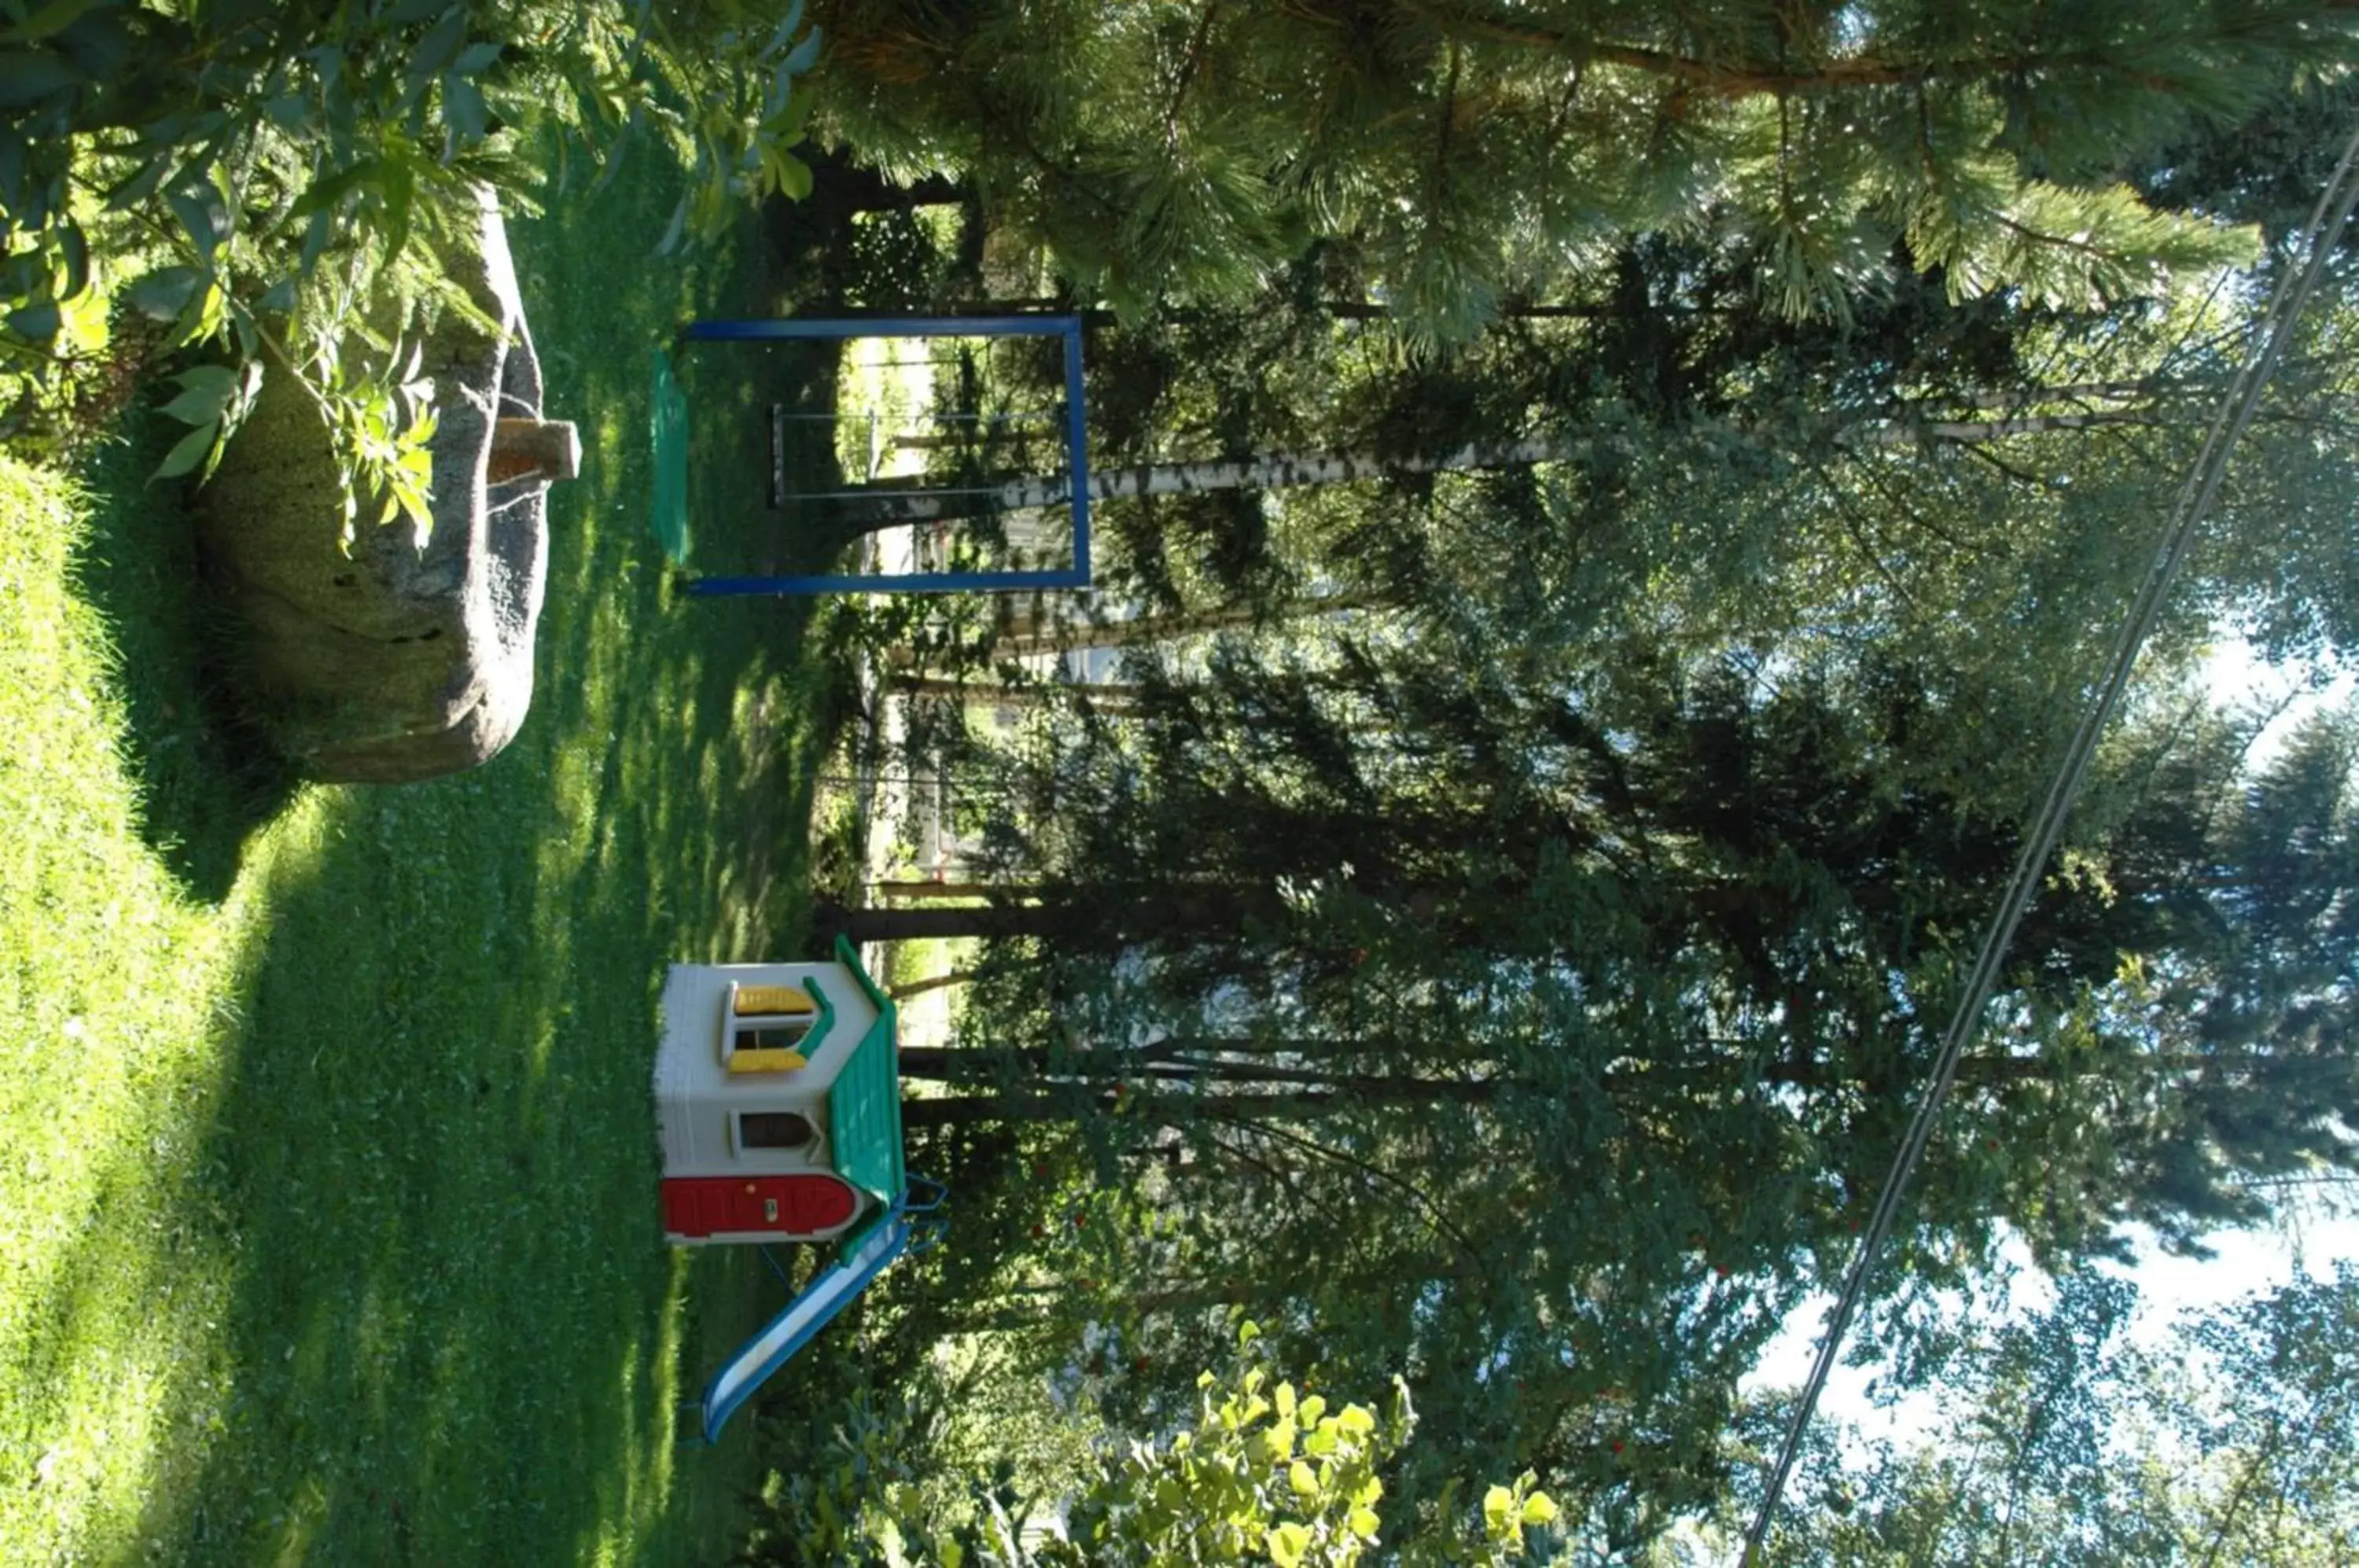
[316, 234]
[804, 53]
[206, 391]
[794, 176]
[52, 18]
[328, 61]
[12, 175]
[39, 321]
[440, 45]
[142, 185]
[21, 275]
[208, 378]
[322, 194]
[163, 294]
[464, 109]
[475, 58]
[203, 213]
[29, 75]
[786, 26]
[1302, 1478]
[73, 250]
[187, 452]
[1286, 1544]
[201, 317]
[399, 188]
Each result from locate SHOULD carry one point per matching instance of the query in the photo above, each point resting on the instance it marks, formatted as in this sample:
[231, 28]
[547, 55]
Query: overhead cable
[2194, 501]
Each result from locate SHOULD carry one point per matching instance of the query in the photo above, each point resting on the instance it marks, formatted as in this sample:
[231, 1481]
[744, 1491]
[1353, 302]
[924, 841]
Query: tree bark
[1101, 923]
[896, 503]
[921, 892]
[1310, 1092]
[1139, 629]
[936, 983]
[1103, 693]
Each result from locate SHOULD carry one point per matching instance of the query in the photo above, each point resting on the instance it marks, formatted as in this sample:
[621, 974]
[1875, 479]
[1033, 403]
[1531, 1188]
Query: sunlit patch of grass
[109, 981]
[326, 1230]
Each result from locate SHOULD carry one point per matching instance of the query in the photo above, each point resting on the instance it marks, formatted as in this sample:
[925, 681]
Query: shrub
[270, 181]
[1264, 1475]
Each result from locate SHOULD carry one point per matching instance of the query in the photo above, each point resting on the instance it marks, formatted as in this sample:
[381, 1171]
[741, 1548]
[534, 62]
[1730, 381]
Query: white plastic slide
[827, 1293]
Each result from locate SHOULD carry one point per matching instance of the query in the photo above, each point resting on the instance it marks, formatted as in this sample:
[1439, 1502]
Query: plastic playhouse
[777, 1093]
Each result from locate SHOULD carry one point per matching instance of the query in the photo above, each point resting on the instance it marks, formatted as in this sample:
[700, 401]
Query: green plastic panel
[863, 1105]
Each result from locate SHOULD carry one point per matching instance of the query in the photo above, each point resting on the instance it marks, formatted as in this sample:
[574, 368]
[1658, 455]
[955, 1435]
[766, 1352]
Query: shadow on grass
[452, 1332]
[208, 777]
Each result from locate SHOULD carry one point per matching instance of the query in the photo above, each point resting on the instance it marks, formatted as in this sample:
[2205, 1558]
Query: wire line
[2195, 499]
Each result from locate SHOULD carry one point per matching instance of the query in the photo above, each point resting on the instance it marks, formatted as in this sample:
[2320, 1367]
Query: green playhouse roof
[865, 1103]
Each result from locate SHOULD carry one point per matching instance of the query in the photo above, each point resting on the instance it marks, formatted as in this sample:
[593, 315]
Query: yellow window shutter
[773, 1001]
[766, 1059]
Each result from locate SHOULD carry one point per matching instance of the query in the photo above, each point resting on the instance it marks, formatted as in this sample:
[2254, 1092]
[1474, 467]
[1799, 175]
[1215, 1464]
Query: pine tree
[1507, 1001]
[1460, 153]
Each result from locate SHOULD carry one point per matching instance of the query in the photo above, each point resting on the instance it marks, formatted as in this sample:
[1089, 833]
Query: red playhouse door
[804, 1204]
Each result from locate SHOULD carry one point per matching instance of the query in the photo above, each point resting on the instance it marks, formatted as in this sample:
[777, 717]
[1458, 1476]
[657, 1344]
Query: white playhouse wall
[697, 1098]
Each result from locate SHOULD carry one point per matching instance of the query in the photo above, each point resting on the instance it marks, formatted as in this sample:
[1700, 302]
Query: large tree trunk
[892, 503]
[1321, 1087]
[934, 983]
[1100, 923]
[925, 892]
[1024, 640]
[916, 499]
[1177, 1110]
[1102, 695]
[1308, 1092]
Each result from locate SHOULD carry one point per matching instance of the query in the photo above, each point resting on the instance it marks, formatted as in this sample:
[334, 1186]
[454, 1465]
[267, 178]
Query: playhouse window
[767, 1027]
[771, 1034]
[772, 1129]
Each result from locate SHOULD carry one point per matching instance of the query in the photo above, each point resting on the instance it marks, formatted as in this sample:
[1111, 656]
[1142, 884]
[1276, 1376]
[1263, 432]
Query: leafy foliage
[2062, 1440]
[274, 181]
[1263, 1474]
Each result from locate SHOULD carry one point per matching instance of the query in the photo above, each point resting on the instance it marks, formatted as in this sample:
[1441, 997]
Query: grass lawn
[327, 1170]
